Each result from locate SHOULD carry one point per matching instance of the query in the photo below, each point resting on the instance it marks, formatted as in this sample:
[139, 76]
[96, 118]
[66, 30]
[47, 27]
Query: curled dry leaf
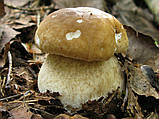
[133, 106]
[136, 18]
[100, 4]
[23, 22]
[151, 76]
[141, 47]
[154, 62]
[140, 84]
[141, 32]
[6, 34]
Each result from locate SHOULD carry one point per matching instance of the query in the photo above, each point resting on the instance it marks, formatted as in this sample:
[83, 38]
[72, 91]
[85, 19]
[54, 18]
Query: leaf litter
[21, 99]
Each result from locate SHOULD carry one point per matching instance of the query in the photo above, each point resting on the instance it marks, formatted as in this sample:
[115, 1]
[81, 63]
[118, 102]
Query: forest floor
[21, 60]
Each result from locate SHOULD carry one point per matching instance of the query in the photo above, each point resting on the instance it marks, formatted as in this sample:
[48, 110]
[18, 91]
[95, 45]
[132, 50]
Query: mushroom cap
[78, 81]
[81, 33]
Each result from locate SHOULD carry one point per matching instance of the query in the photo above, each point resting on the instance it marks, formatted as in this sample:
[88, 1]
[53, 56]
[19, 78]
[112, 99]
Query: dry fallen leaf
[141, 47]
[141, 31]
[153, 6]
[4, 114]
[133, 105]
[154, 62]
[2, 11]
[36, 116]
[16, 3]
[100, 4]
[20, 113]
[6, 34]
[64, 116]
[3, 56]
[140, 84]
[21, 23]
[138, 19]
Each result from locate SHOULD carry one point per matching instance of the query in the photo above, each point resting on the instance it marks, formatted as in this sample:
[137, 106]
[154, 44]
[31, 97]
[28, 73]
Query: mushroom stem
[79, 81]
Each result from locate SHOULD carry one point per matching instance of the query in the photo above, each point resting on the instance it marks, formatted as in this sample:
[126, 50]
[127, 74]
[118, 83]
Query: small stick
[18, 95]
[9, 69]
[38, 18]
[26, 101]
[26, 94]
[126, 96]
[7, 98]
[31, 9]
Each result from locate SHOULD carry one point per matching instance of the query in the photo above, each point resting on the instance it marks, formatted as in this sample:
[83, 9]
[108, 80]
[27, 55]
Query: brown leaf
[141, 47]
[153, 62]
[140, 84]
[3, 56]
[2, 11]
[27, 74]
[16, 3]
[77, 116]
[4, 114]
[21, 23]
[100, 4]
[6, 34]
[136, 18]
[64, 116]
[153, 6]
[36, 116]
[21, 113]
[133, 105]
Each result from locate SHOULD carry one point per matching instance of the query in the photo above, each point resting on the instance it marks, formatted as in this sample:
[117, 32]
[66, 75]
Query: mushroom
[80, 65]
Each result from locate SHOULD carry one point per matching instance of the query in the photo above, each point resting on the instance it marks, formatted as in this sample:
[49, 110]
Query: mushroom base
[79, 81]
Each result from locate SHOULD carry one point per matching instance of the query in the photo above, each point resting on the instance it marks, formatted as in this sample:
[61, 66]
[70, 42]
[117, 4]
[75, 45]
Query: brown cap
[81, 33]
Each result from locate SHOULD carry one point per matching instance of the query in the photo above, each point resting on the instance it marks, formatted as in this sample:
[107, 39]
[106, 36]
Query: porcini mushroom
[81, 43]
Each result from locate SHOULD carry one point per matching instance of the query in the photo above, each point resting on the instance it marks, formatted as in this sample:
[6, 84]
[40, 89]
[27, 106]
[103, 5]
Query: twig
[26, 94]
[32, 9]
[1, 86]
[107, 101]
[9, 69]
[38, 18]
[32, 72]
[126, 96]
[24, 101]
[18, 95]
[10, 97]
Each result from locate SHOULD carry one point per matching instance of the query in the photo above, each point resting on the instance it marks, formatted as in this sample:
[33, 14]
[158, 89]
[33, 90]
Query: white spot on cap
[53, 16]
[37, 40]
[118, 37]
[102, 49]
[72, 35]
[79, 21]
